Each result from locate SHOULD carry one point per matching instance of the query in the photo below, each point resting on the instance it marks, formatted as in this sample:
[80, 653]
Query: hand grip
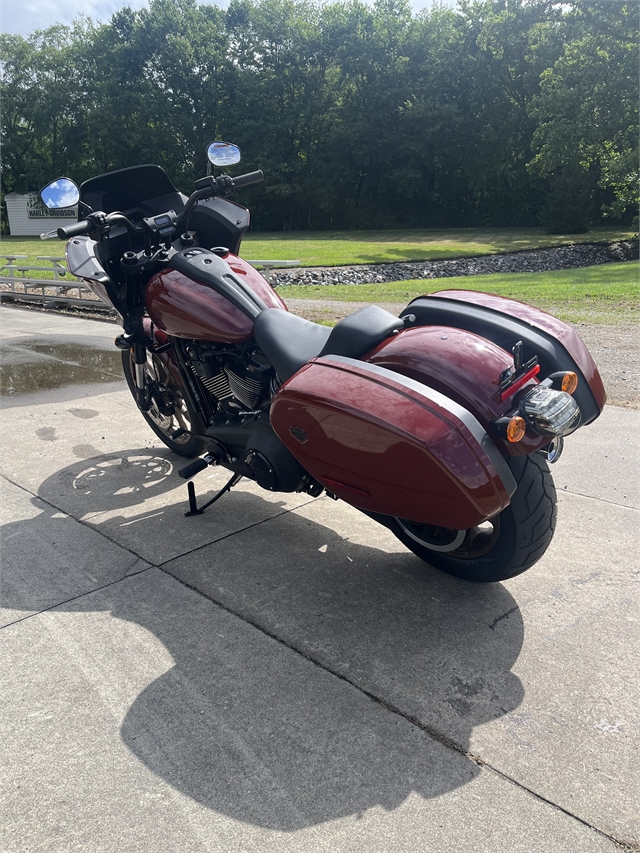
[249, 178]
[82, 227]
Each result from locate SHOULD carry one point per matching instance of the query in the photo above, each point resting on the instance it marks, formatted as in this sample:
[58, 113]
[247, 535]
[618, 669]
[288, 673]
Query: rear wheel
[169, 414]
[506, 545]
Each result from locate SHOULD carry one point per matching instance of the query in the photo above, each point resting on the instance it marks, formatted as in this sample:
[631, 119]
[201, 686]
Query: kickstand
[194, 509]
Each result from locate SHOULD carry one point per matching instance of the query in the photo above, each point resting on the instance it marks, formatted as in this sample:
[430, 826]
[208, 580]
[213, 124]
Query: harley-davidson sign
[37, 210]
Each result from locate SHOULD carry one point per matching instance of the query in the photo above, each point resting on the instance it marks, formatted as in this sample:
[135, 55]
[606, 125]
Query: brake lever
[49, 235]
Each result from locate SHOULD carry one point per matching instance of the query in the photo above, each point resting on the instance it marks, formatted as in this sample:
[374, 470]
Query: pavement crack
[567, 491]
[76, 597]
[127, 573]
[500, 618]
[235, 533]
[69, 515]
[389, 706]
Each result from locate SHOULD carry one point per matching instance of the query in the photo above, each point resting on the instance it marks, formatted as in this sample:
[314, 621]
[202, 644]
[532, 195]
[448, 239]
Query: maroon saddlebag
[389, 444]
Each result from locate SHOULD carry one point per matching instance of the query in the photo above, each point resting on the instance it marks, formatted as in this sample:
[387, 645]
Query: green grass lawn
[366, 247]
[373, 247]
[601, 294]
[32, 247]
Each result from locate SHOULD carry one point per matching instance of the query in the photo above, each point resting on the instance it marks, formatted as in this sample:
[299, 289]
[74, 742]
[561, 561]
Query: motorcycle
[439, 424]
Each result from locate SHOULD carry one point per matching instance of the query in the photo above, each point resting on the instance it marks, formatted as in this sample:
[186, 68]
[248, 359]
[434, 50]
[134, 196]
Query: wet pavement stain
[84, 414]
[47, 434]
[85, 451]
[27, 367]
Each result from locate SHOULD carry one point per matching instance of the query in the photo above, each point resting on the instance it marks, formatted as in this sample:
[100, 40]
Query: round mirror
[60, 193]
[223, 153]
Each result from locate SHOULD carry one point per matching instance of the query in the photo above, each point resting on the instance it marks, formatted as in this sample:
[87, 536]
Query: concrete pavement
[280, 673]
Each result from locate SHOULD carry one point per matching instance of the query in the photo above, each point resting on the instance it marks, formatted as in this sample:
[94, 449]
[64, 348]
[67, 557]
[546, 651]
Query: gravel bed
[535, 260]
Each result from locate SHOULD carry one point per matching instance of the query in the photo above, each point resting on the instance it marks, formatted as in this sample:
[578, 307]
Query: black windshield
[143, 187]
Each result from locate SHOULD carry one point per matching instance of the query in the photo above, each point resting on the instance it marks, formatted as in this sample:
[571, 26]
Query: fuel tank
[184, 308]
[388, 444]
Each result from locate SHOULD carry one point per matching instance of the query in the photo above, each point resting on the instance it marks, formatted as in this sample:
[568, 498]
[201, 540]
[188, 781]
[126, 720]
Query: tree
[39, 96]
[587, 110]
[363, 115]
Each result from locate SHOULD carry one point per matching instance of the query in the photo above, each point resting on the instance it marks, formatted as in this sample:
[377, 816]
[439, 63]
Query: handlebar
[82, 227]
[205, 188]
[249, 178]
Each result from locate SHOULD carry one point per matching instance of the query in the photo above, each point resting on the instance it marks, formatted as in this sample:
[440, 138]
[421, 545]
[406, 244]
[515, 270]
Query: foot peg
[193, 468]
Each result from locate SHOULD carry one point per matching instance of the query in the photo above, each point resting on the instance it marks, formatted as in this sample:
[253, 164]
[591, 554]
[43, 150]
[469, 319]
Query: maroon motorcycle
[439, 423]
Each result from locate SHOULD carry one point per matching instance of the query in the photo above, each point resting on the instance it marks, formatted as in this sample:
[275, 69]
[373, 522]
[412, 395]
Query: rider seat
[290, 341]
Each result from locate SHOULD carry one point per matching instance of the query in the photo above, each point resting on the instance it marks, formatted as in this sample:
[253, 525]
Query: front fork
[131, 341]
[143, 397]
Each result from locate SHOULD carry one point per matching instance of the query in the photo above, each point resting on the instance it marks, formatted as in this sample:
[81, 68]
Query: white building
[28, 217]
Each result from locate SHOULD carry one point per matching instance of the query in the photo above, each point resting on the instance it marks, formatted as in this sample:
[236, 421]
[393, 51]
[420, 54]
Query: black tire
[164, 425]
[507, 545]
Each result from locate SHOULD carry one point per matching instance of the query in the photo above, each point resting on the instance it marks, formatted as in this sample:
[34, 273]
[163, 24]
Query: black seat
[290, 342]
[361, 331]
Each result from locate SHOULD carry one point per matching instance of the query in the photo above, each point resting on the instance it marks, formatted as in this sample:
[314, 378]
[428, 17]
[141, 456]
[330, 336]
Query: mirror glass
[223, 153]
[60, 193]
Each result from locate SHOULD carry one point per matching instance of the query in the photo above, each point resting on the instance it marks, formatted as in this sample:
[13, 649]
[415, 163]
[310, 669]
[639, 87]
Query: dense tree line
[497, 112]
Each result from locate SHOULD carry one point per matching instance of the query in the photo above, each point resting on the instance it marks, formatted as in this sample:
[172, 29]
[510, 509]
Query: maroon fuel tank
[460, 364]
[183, 308]
[385, 443]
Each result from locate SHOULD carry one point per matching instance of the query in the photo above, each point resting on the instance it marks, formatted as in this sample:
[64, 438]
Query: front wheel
[169, 415]
[506, 545]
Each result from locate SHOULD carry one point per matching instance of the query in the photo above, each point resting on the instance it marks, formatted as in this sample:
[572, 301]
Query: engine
[238, 378]
[240, 383]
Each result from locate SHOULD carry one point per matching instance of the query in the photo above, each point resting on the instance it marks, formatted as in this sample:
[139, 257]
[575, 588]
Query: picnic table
[17, 275]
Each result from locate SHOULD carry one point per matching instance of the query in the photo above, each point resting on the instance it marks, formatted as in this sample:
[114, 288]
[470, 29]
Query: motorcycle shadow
[262, 734]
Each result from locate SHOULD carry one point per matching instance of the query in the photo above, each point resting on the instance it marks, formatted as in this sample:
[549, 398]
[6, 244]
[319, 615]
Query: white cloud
[60, 193]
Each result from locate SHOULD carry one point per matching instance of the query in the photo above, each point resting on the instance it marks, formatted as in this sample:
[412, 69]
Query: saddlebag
[505, 322]
[388, 444]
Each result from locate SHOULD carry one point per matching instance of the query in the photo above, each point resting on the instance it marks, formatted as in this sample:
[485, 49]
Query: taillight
[550, 412]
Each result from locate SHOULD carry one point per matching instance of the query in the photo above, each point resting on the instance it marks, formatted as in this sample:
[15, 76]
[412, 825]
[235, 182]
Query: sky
[21, 17]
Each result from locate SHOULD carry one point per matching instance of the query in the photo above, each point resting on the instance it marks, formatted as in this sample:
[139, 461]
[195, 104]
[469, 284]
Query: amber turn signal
[516, 428]
[569, 382]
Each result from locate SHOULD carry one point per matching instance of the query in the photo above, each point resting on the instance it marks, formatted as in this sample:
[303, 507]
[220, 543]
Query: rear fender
[461, 365]
[505, 322]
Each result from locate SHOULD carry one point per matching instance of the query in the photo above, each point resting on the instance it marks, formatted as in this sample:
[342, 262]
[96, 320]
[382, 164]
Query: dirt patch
[615, 349]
